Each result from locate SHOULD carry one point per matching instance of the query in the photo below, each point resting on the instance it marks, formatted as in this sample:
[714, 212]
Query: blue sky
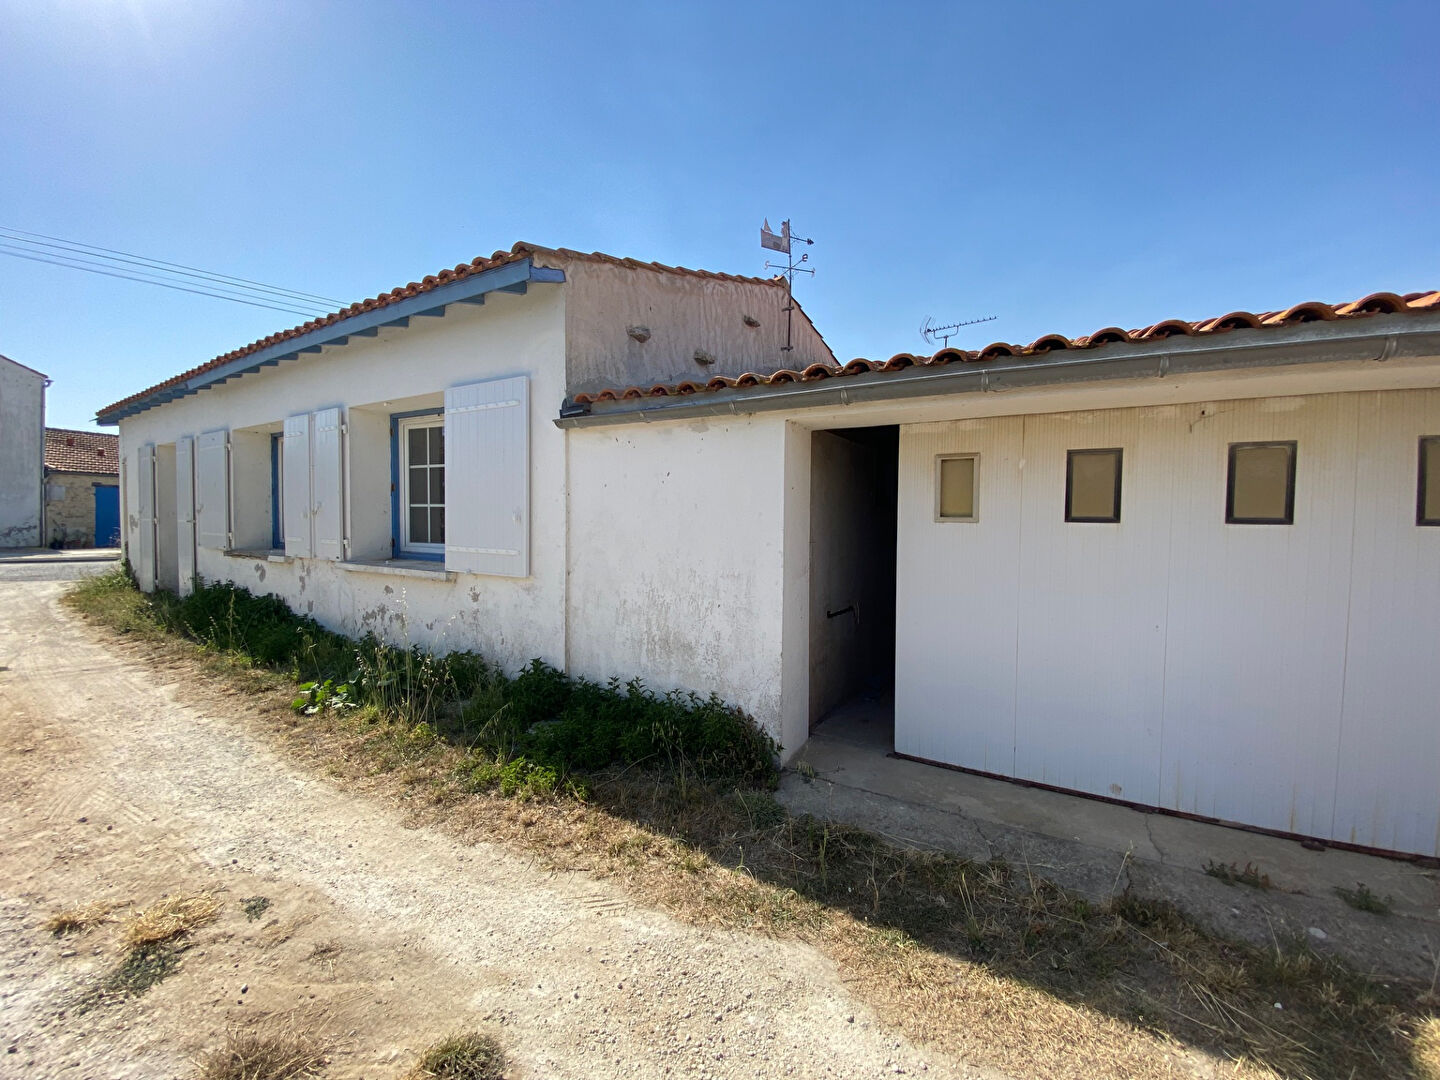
[1061, 166]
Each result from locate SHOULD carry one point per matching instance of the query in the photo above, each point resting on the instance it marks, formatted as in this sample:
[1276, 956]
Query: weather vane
[782, 242]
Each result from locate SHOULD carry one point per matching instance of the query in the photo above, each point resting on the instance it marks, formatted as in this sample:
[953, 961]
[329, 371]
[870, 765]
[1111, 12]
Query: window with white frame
[420, 446]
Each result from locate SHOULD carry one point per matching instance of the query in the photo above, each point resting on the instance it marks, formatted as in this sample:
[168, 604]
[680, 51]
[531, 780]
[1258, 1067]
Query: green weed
[466, 1056]
[1362, 899]
[1231, 874]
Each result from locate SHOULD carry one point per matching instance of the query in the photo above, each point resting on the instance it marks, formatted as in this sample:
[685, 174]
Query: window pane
[415, 436]
[1430, 481]
[957, 488]
[419, 525]
[437, 484]
[1092, 490]
[437, 524]
[419, 489]
[1260, 483]
[437, 444]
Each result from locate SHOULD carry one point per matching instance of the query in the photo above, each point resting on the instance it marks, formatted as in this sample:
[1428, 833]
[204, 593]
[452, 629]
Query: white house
[1194, 567]
[22, 454]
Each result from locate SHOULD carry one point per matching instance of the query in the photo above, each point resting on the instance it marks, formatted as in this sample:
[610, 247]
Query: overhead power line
[159, 265]
[16, 254]
[76, 255]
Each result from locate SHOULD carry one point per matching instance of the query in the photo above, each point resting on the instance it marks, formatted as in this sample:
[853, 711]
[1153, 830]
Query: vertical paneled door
[1280, 674]
[107, 515]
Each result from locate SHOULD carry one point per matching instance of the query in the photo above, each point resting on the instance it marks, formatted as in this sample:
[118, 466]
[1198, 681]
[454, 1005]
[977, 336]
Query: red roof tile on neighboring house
[415, 288]
[1374, 304]
[82, 452]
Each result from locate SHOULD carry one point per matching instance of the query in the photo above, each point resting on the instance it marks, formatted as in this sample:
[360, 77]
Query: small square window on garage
[955, 488]
[1260, 489]
[1092, 485]
[1427, 511]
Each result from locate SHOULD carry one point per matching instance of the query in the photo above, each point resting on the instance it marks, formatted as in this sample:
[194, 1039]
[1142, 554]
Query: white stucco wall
[509, 620]
[22, 451]
[677, 559]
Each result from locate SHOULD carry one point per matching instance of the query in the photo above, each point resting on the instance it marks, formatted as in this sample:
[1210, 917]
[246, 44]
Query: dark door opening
[853, 492]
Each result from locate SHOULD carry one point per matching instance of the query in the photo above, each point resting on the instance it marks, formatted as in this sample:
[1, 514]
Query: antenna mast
[929, 331]
[782, 242]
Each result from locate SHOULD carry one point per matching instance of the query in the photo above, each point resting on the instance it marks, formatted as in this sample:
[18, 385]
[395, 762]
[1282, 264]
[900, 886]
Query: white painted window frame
[402, 450]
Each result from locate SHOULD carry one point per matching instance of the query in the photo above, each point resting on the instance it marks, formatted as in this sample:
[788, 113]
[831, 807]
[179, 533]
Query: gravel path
[113, 787]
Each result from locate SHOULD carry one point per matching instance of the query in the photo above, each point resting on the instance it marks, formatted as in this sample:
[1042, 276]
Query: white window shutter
[297, 486]
[327, 494]
[487, 477]
[212, 489]
[185, 511]
[145, 514]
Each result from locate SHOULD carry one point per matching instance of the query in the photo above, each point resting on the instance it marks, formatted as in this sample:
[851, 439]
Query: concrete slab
[1099, 849]
[49, 555]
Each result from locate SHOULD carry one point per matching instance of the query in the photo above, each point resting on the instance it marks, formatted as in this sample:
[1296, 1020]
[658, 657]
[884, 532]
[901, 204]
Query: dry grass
[276, 1053]
[1427, 1050]
[464, 1056]
[986, 961]
[168, 919]
[989, 962]
[78, 920]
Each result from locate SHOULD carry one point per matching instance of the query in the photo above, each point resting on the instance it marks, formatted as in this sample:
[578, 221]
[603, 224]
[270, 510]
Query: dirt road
[116, 786]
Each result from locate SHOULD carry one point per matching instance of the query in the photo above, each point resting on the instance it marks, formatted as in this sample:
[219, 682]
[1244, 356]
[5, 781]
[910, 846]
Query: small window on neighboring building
[955, 488]
[1261, 486]
[1427, 510]
[1092, 485]
[421, 446]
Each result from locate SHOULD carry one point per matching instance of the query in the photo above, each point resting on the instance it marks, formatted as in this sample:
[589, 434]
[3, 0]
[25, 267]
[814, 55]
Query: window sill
[266, 554]
[416, 568]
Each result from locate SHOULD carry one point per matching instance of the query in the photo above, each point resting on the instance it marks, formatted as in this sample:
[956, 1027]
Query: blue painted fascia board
[512, 277]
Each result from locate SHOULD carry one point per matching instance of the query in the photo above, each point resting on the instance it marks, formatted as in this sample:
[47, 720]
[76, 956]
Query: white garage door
[1281, 672]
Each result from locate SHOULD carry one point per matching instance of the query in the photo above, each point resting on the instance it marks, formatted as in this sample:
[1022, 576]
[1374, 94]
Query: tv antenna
[929, 331]
[784, 242]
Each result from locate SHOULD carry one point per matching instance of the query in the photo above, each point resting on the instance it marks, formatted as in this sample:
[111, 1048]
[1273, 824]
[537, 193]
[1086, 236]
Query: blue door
[107, 515]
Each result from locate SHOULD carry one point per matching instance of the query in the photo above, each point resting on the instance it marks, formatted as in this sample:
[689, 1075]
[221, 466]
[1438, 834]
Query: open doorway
[853, 491]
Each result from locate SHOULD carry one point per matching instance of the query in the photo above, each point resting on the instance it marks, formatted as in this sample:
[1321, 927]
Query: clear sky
[1062, 166]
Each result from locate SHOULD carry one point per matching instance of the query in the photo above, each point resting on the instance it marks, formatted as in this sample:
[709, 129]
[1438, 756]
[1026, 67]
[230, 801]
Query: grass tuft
[255, 907]
[464, 1056]
[1231, 874]
[1362, 899]
[168, 919]
[77, 920]
[279, 1054]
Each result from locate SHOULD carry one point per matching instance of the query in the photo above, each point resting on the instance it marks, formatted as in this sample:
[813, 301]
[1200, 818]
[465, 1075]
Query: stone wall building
[82, 489]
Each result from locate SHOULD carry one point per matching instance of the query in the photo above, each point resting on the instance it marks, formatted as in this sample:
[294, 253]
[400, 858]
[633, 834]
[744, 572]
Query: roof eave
[1377, 338]
[512, 277]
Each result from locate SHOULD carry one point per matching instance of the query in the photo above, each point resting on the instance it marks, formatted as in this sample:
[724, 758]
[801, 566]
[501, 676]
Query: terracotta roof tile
[415, 288]
[82, 451]
[1382, 303]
